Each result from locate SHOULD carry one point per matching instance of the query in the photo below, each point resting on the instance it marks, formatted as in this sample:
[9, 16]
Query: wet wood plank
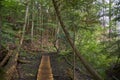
[45, 71]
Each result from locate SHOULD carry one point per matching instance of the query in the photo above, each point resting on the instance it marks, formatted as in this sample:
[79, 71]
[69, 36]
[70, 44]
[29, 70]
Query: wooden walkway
[45, 71]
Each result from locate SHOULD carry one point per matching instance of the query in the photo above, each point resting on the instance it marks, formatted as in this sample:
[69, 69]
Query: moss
[2, 73]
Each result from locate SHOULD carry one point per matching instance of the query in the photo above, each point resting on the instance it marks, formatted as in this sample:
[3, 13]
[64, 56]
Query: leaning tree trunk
[11, 67]
[89, 68]
[25, 24]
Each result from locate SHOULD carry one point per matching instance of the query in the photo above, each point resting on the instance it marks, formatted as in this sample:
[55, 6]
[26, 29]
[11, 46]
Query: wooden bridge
[45, 70]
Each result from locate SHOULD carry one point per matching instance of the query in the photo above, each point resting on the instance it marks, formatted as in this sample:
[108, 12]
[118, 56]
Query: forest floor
[29, 68]
[31, 61]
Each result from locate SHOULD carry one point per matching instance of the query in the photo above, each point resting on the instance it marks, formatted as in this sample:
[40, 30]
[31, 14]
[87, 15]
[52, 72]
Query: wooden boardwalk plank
[45, 71]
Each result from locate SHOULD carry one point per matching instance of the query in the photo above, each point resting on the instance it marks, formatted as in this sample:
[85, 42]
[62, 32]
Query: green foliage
[1, 4]
[117, 11]
[8, 34]
[81, 18]
[51, 25]
[92, 49]
[82, 15]
[64, 53]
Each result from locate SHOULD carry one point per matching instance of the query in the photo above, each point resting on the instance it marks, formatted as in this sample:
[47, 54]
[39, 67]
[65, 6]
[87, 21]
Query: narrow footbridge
[45, 70]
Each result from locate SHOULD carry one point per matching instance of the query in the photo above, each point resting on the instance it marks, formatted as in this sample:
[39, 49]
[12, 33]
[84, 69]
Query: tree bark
[32, 28]
[74, 63]
[11, 70]
[0, 32]
[110, 23]
[42, 26]
[89, 68]
[56, 37]
[25, 24]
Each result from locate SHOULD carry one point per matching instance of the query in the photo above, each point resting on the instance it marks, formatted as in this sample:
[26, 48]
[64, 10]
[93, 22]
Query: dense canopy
[81, 37]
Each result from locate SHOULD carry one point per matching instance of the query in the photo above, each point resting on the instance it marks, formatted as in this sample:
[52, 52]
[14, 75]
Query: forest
[59, 39]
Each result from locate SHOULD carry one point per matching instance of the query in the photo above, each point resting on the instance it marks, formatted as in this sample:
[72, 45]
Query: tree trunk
[74, 63]
[32, 28]
[103, 2]
[110, 23]
[95, 75]
[42, 26]
[11, 69]
[25, 24]
[57, 39]
[0, 32]
[15, 57]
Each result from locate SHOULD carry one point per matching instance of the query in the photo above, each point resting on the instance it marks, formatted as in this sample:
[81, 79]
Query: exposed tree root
[23, 61]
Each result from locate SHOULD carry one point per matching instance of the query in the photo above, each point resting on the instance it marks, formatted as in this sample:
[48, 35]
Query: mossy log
[24, 61]
[11, 71]
[6, 58]
[3, 52]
